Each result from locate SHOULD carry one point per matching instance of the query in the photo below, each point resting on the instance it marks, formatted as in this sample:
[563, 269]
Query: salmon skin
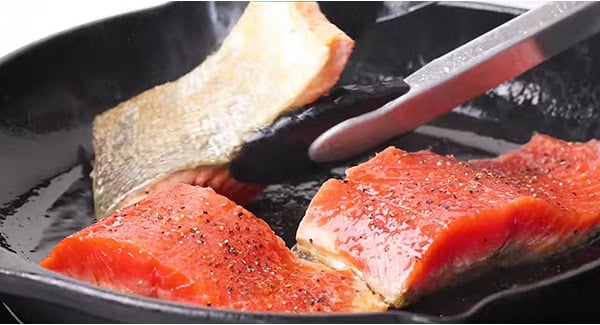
[279, 56]
[192, 245]
[410, 223]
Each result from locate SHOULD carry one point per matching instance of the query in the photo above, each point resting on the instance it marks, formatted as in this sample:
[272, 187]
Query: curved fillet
[279, 56]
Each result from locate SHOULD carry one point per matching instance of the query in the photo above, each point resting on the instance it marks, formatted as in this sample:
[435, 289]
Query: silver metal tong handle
[461, 75]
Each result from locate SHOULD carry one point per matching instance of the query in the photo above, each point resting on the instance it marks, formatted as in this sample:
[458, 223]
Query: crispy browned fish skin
[279, 56]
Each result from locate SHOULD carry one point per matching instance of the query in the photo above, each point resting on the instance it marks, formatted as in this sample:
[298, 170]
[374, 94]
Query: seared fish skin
[279, 56]
[189, 244]
[410, 223]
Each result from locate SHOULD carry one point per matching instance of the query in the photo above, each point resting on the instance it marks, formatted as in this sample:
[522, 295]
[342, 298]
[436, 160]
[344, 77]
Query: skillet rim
[22, 275]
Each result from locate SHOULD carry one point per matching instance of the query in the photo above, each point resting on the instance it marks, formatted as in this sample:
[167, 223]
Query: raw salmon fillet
[409, 223]
[189, 244]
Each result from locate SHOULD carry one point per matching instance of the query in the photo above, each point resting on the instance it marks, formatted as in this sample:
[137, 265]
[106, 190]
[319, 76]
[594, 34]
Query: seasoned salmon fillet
[279, 56]
[410, 223]
[190, 244]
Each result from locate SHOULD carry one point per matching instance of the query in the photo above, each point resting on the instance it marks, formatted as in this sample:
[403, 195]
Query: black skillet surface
[50, 92]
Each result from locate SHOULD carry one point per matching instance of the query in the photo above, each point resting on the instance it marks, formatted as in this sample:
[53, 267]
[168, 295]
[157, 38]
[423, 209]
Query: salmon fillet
[410, 223]
[279, 56]
[191, 245]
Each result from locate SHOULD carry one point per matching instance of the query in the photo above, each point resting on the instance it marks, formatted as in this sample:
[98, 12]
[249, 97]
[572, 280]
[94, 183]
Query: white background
[26, 21]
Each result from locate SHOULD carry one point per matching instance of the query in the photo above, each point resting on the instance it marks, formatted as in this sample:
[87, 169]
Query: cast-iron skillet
[50, 92]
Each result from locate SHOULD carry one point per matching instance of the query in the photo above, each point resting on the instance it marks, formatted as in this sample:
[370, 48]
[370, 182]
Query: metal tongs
[297, 145]
[462, 74]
